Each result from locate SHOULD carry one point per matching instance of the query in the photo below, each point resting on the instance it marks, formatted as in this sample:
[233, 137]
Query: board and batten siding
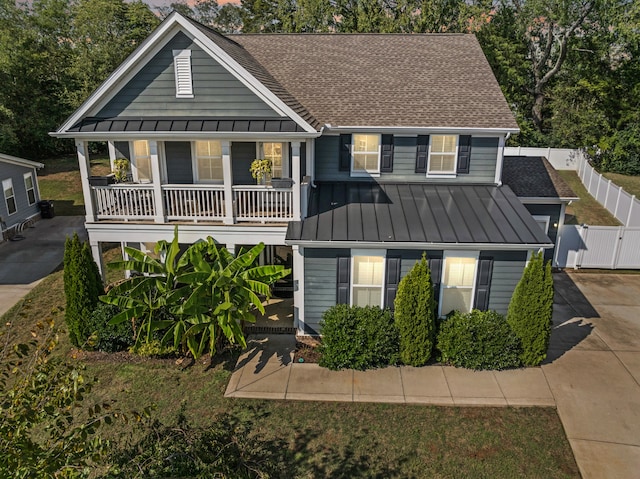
[216, 93]
[507, 271]
[484, 156]
[23, 209]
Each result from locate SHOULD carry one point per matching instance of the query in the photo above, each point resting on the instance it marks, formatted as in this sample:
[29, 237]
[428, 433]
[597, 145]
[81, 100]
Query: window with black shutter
[422, 153]
[483, 283]
[386, 162]
[392, 281]
[464, 154]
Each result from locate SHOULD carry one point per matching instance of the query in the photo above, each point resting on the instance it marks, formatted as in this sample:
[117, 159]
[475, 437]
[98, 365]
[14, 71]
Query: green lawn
[586, 211]
[317, 439]
[631, 184]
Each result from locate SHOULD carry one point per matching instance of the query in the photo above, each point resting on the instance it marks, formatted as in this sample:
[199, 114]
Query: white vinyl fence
[560, 158]
[606, 247]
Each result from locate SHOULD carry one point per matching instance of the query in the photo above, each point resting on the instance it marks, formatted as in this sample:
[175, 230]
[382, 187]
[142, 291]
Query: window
[442, 155]
[367, 281]
[458, 282]
[9, 196]
[276, 153]
[30, 187]
[543, 222]
[182, 67]
[209, 161]
[365, 153]
[142, 161]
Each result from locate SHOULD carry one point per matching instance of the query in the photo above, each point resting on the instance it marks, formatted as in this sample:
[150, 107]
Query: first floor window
[9, 196]
[366, 153]
[442, 154]
[209, 161]
[30, 187]
[275, 153]
[367, 280]
[457, 283]
[142, 160]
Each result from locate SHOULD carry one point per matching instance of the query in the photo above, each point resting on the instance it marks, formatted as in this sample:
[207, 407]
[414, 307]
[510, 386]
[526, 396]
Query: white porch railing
[194, 202]
[124, 202]
[263, 204]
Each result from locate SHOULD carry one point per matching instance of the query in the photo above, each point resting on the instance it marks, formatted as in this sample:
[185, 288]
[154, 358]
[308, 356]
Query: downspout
[313, 159]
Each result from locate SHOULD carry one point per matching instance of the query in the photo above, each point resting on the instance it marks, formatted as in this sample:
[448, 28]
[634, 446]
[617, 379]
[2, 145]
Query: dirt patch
[307, 350]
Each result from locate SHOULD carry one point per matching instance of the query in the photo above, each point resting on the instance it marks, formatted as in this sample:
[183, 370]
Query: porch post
[112, 154]
[298, 288]
[157, 181]
[227, 174]
[85, 171]
[295, 174]
[96, 252]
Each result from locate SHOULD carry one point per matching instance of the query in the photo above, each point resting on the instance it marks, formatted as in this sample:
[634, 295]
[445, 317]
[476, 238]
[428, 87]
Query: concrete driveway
[24, 263]
[593, 370]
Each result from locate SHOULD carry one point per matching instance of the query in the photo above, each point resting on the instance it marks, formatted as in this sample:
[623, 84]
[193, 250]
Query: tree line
[569, 69]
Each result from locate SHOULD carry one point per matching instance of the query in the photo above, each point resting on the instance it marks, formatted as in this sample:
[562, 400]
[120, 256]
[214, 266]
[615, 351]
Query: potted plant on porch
[261, 170]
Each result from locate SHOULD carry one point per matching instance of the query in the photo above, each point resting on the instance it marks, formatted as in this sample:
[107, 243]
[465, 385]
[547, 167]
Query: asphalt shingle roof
[534, 177]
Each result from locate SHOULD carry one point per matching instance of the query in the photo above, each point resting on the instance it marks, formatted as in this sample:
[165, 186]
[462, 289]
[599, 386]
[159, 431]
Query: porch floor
[277, 317]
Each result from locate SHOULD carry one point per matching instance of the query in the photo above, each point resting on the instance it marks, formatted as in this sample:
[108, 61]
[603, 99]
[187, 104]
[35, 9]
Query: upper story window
[365, 154]
[209, 161]
[276, 152]
[142, 161]
[442, 155]
[9, 196]
[458, 282]
[182, 68]
[30, 187]
[367, 280]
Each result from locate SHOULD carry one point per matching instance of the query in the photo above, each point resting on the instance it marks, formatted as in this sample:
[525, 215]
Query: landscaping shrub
[356, 337]
[415, 315]
[109, 338]
[531, 308]
[478, 340]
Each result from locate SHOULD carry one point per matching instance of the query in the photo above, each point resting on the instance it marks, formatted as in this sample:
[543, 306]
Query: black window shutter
[386, 163]
[393, 279]
[345, 152]
[483, 283]
[422, 154]
[435, 265]
[464, 154]
[342, 294]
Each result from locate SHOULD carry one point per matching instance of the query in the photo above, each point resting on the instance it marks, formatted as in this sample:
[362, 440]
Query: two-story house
[393, 145]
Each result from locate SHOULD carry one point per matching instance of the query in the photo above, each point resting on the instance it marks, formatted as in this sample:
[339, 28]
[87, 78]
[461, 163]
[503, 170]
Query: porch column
[85, 171]
[112, 154]
[96, 252]
[231, 248]
[157, 181]
[298, 288]
[227, 174]
[295, 174]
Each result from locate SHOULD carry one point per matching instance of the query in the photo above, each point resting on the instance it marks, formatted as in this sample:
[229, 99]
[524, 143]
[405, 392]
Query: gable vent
[182, 66]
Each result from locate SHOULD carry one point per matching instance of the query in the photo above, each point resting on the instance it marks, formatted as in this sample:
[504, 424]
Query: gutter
[418, 246]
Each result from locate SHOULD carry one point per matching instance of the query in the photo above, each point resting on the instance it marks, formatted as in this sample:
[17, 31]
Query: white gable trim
[14, 160]
[152, 45]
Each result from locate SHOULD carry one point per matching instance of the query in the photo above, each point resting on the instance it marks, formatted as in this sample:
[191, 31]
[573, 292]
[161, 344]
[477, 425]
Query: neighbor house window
[442, 155]
[9, 196]
[209, 161]
[367, 280]
[365, 153]
[142, 160]
[30, 187]
[182, 68]
[276, 153]
[458, 282]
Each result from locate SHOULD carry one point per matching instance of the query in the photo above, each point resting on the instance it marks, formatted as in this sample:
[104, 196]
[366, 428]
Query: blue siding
[24, 210]
[553, 211]
[507, 271]
[152, 91]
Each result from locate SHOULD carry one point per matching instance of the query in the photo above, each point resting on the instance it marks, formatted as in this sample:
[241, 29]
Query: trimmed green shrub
[531, 308]
[110, 338]
[82, 286]
[415, 315]
[478, 340]
[356, 337]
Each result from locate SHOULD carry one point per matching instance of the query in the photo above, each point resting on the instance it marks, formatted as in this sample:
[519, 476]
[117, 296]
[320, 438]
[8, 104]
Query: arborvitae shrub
[478, 340]
[109, 338]
[358, 338]
[531, 309]
[415, 315]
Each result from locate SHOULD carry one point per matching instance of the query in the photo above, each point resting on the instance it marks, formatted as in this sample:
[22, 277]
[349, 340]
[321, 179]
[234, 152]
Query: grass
[631, 184]
[586, 211]
[319, 439]
[59, 181]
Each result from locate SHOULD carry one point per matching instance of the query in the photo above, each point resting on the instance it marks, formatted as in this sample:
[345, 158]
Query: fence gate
[606, 247]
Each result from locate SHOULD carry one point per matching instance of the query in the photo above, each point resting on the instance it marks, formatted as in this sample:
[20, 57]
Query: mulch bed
[307, 350]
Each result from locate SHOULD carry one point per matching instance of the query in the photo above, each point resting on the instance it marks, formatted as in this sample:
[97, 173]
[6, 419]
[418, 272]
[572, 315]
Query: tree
[415, 315]
[531, 309]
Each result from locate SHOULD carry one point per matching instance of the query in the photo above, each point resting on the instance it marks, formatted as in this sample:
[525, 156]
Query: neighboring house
[20, 194]
[543, 192]
[393, 145]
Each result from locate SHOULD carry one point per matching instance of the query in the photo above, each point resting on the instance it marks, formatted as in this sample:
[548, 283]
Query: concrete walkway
[24, 263]
[592, 375]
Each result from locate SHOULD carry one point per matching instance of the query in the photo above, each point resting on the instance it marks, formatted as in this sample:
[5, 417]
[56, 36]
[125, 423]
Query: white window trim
[184, 79]
[194, 165]
[368, 252]
[458, 254]
[546, 219]
[364, 173]
[285, 155]
[447, 174]
[133, 163]
[33, 187]
[6, 184]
